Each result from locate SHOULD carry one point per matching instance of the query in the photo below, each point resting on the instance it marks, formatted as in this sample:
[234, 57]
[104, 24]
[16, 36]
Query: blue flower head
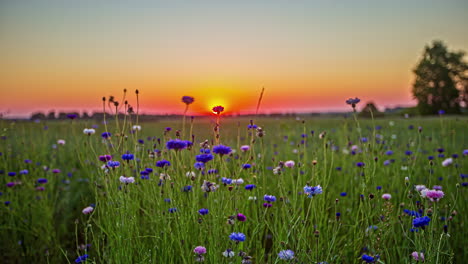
[163, 163]
[311, 191]
[238, 237]
[421, 221]
[176, 144]
[269, 198]
[204, 158]
[286, 254]
[222, 150]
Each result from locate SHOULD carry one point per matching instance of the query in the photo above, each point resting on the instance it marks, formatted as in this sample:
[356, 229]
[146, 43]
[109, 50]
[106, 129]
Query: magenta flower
[241, 217]
[434, 195]
[200, 250]
[88, 210]
[386, 196]
[417, 256]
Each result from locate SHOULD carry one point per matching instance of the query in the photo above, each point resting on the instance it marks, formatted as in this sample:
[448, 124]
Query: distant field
[47, 183]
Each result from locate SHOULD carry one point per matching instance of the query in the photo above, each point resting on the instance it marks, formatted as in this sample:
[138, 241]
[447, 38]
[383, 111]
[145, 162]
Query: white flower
[345, 151]
[229, 253]
[164, 176]
[424, 193]
[89, 131]
[295, 151]
[420, 187]
[191, 174]
[136, 127]
[447, 162]
[277, 171]
[252, 198]
[61, 142]
[391, 123]
[394, 136]
[404, 168]
[238, 181]
[127, 180]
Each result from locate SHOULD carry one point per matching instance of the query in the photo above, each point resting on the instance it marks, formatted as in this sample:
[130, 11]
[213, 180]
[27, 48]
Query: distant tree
[38, 115]
[370, 110]
[51, 115]
[438, 75]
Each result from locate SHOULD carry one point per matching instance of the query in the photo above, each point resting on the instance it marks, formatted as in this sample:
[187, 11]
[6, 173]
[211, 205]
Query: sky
[310, 56]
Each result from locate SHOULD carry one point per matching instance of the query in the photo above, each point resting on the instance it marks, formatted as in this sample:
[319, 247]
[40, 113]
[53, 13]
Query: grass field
[47, 183]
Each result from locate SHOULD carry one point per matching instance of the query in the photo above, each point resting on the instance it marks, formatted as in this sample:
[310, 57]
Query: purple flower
[360, 164]
[187, 99]
[241, 217]
[218, 109]
[105, 158]
[199, 250]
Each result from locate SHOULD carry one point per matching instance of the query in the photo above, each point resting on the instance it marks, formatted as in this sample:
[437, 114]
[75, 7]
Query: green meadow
[155, 217]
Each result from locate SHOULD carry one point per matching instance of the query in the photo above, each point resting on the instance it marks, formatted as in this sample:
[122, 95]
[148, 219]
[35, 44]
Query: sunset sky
[309, 55]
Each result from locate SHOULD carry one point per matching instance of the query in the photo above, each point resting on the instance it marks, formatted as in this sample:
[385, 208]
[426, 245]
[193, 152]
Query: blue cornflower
[204, 158]
[163, 163]
[172, 210]
[238, 237]
[389, 152]
[364, 140]
[199, 165]
[353, 102]
[222, 150]
[23, 172]
[286, 254]
[250, 187]
[368, 259]
[311, 191]
[411, 213]
[408, 153]
[212, 171]
[42, 180]
[205, 151]
[149, 170]
[246, 166]
[360, 164]
[203, 211]
[226, 180]
[113, 164]
[11, 173]
[81, 258]
[106, 135]
[176, 144]
[187, 188]
[421, 221]
[128, 156]
[269, 198]
[343, 194]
